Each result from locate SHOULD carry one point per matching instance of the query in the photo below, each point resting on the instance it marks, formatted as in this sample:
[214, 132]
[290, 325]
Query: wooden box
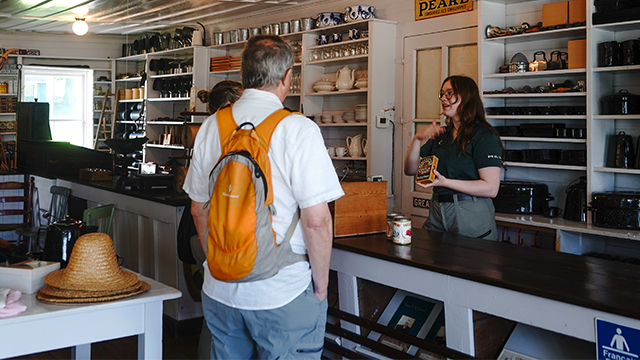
[577, 11]
[577, 50]
[362, 209]
[555, 13]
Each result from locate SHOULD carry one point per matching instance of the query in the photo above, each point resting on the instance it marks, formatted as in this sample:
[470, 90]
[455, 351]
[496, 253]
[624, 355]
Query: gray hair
[265, 61]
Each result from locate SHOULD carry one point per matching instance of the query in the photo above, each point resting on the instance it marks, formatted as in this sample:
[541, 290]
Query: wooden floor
[127, 348]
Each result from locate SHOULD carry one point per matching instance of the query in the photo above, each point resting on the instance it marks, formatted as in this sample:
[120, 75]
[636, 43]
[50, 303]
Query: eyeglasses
[448, 94]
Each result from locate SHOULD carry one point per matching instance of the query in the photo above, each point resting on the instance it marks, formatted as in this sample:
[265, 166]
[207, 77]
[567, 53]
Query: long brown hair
[469, 110]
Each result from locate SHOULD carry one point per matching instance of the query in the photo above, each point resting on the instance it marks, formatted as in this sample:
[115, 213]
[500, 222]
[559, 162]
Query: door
[69, 92]
[427, 60]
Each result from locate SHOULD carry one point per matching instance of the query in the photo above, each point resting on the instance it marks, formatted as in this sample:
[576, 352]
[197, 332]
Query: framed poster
[413, 315]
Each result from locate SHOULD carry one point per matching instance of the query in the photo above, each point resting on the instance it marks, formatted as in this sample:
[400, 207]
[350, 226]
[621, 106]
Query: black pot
[618, 210]
[622, 103]
[61, 236]
[522, 197]
[609, 54]
[575, 206]
[631, 52]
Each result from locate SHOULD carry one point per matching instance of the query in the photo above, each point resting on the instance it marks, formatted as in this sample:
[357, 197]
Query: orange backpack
[241, 241]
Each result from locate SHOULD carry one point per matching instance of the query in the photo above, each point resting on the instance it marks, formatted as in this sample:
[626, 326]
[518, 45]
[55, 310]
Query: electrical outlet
[382, 121]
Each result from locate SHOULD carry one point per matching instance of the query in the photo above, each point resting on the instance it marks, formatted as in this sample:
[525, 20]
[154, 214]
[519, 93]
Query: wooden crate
[362, 210]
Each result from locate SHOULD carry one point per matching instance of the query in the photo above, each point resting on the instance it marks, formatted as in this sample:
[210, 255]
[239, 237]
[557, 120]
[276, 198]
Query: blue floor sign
[617, 342]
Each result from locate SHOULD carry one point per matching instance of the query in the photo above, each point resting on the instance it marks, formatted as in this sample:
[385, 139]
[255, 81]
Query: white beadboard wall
[66, 45]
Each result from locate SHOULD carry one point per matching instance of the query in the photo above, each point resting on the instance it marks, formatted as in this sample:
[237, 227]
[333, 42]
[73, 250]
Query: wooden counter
[555, 291]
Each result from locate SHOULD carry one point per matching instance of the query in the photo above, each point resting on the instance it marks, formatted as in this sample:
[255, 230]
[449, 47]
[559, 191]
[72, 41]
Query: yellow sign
[426, 9]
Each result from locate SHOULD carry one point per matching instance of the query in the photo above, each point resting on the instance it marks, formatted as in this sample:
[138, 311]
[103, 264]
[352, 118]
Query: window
[69, 94]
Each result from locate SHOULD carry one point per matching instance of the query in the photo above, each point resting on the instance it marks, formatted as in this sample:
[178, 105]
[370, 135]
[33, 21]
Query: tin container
[402, 231]
[390, 218]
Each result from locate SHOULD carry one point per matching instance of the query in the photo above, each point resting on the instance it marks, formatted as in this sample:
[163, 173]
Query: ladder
[106, 126]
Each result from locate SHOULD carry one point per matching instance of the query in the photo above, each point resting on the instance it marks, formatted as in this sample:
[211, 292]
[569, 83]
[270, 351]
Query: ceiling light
[80, 27]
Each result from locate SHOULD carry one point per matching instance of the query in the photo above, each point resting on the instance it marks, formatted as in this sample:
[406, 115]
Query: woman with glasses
[469, 155]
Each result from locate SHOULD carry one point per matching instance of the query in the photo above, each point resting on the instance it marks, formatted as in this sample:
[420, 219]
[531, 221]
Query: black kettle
[61, 236]
[575, 207]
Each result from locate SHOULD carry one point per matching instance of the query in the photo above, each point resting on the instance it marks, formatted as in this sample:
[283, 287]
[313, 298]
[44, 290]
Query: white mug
[341, 151]
[331, 150]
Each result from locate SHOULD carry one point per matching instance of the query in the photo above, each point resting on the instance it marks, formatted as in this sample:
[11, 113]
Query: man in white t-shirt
[283, 316]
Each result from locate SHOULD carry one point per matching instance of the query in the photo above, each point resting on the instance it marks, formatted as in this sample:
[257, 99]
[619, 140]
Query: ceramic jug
[345, 78]
[364, 147]
[354, 144]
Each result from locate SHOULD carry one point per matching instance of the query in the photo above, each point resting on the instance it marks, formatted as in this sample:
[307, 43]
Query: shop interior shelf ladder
[106, 124]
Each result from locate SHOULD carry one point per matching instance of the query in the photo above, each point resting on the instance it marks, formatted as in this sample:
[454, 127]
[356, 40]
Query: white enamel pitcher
[345, 78]
[354, 144]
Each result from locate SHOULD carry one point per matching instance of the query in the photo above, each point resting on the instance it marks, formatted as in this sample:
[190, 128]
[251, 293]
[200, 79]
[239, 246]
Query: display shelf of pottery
[324, 85]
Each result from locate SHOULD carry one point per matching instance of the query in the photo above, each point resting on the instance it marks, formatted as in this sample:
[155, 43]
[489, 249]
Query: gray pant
[474, 218]
[293, 331]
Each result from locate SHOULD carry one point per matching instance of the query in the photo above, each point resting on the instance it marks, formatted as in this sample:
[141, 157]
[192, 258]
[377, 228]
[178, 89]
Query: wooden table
[559, 292]
[46, 326]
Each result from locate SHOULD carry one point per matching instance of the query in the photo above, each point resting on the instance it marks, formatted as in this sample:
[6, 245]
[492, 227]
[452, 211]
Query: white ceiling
[125, 16]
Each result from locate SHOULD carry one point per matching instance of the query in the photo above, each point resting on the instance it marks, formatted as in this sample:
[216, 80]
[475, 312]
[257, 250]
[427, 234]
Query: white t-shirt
[302, 176]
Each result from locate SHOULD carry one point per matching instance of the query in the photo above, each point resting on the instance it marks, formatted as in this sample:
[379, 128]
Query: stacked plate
[361, 113]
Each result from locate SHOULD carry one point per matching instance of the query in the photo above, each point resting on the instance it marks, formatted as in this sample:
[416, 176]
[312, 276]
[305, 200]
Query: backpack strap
[226, 124]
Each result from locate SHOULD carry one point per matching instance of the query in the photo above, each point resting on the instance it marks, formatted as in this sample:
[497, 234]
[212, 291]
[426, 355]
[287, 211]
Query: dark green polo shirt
[482, 151]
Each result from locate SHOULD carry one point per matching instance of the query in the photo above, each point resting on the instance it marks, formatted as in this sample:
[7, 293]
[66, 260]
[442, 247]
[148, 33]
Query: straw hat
[92, 275]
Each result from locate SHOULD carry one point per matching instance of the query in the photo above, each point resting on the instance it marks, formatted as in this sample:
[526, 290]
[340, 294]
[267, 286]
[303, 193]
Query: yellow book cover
[426, 166]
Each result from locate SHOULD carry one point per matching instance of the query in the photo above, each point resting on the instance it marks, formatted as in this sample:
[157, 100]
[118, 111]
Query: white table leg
[459, 328]
[150, 342]
[81, 352]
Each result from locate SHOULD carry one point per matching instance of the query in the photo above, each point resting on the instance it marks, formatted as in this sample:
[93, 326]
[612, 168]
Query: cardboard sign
[426, 9]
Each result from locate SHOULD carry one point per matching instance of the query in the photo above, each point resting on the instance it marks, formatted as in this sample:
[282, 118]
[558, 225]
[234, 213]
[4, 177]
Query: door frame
[411, 45]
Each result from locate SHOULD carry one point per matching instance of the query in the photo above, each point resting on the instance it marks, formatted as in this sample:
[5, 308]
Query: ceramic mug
[322, 39]
[336, 37]
[341, 151]
[354, 34]
[331, 150]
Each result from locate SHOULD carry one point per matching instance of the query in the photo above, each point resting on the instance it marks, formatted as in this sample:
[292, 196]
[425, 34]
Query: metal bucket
[295, 25]
[217, 38]
[243, 34]
[307, 23]
[254, 31]
[284, 27]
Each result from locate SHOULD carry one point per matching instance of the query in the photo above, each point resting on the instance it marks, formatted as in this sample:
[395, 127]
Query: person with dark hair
[223, 93]
[282, 316]
[469, 155]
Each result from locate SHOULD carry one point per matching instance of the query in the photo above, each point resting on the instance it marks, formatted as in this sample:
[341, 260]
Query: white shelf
[537, 95]
[130, 100]
[224, 72]
[170, 99]
[167, 147]
[131, 79]
[8, 133]
[336, 93]
[616, 117]
[170, 75]
[545, 73]
[572, 32]
[165, 123]
[545, 166]
[543, 139]
[617, 68]
[537, 117]
[7, 114]
[619, 26]
[339, 60]
[617, 170]
[347, 158]
[342, 124]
